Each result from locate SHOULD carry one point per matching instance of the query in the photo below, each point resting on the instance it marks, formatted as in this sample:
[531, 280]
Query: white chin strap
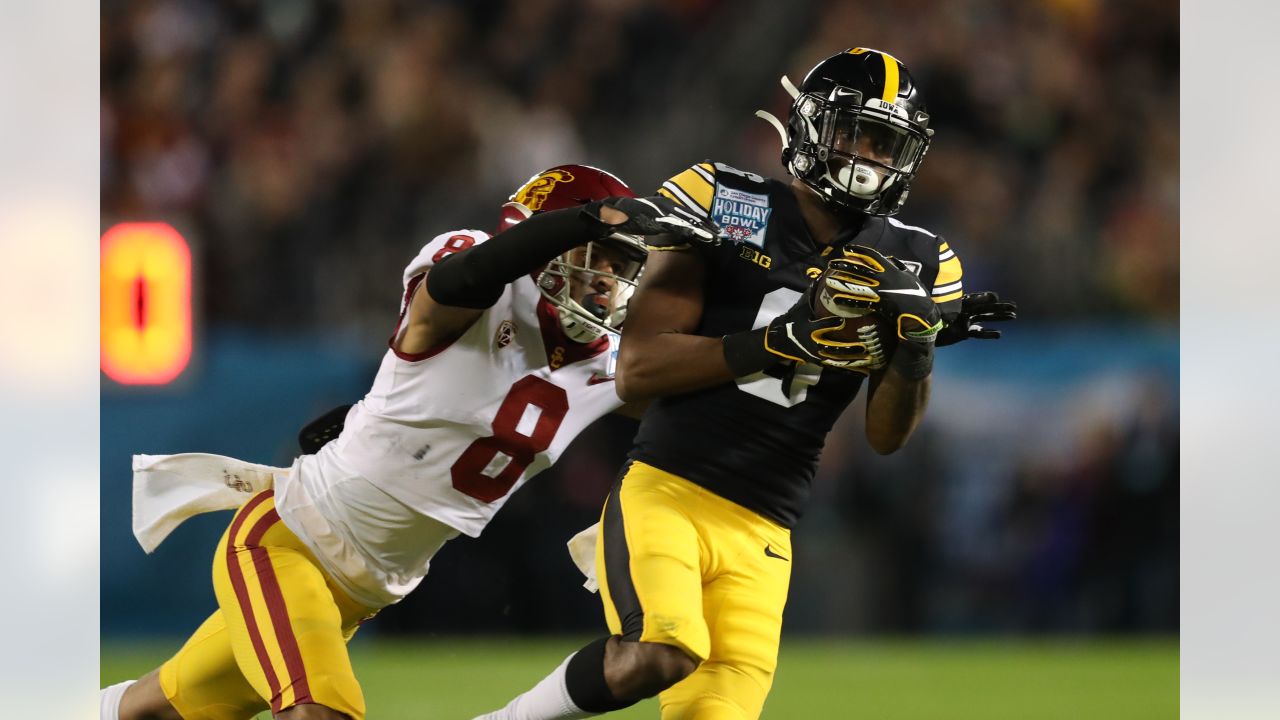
[576, 328]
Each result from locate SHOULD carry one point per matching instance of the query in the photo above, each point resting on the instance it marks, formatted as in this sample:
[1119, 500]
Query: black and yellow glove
[976, 309]
[798, 336]
[864, 278]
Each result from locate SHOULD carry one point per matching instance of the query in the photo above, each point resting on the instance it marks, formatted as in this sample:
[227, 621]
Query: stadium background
[306, 149]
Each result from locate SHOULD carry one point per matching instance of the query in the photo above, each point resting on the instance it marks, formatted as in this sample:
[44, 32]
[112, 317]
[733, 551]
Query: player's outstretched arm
[466, 283]
[458, 289]
[474, 278]
[660, 355]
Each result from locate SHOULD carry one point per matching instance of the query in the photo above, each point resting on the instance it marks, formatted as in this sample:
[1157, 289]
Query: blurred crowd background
[308, 148]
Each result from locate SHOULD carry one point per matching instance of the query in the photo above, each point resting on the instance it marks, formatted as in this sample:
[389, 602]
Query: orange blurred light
[146, 303]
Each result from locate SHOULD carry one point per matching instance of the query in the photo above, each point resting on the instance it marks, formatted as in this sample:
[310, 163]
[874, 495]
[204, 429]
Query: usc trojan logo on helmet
[535, 192]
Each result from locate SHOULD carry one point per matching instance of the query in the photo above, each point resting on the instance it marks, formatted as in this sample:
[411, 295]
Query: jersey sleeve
[692, 188]
[439, 248]
[948, 285]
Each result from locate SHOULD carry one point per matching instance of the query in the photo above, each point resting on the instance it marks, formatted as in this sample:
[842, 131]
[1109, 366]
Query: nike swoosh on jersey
[907, 291]
[768, 551]
[597, 378]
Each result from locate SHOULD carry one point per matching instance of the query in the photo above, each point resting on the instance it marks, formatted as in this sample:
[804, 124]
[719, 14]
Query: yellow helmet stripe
[890, 77]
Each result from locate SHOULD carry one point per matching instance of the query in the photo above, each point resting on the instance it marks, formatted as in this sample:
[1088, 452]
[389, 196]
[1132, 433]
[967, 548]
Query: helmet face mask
[857, 131]
[868, 160]
[591, 285]
[864, 137]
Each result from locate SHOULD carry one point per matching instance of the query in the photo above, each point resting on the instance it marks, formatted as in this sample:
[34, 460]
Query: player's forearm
[669, 364]
[476, 277]
[894, 408]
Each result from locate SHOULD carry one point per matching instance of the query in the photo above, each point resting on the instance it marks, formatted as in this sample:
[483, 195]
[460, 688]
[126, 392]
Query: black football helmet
[857, 131]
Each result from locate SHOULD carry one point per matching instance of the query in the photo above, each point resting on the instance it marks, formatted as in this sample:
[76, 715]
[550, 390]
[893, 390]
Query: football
[855, 321]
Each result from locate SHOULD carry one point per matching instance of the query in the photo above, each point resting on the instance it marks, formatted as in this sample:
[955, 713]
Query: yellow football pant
[681, 565]
[278, 638]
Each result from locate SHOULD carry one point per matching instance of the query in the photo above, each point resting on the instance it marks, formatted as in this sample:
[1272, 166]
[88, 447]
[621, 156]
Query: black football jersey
[756, 441]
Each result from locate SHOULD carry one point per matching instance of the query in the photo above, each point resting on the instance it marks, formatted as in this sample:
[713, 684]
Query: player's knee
[669, 665]
[150, 709]
[145, 700]
[645, 669]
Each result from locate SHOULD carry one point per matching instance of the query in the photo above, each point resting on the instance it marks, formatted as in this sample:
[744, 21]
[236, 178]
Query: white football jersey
[445, 437]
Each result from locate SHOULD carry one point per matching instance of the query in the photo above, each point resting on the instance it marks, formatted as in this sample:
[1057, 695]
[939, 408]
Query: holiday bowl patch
[743, 216]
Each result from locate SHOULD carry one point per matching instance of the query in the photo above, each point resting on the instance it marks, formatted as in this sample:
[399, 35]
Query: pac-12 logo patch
[505, 334]
[743, 216]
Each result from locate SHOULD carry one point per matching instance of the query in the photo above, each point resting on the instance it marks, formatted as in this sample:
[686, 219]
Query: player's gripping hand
[976, 309]
[658, 220]
[866, 279]
[863, 278]
[798, 336]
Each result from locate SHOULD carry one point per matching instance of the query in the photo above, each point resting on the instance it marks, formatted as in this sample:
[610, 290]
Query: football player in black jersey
[694, 553]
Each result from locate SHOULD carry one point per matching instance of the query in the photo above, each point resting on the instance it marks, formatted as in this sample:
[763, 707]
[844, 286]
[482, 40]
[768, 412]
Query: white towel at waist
[582, 548]
[168, 489]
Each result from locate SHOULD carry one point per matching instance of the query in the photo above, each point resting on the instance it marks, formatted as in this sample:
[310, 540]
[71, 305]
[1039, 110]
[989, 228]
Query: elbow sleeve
[476, 277]
[458, 281]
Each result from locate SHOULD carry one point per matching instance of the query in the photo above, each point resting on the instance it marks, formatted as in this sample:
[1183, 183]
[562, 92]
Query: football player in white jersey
[503, 352]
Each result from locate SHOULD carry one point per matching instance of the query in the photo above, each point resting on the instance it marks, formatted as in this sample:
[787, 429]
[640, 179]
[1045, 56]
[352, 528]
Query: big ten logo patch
[535, 192]
[505, 334]
[749, 253]
[743, 216]
[557, 357]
